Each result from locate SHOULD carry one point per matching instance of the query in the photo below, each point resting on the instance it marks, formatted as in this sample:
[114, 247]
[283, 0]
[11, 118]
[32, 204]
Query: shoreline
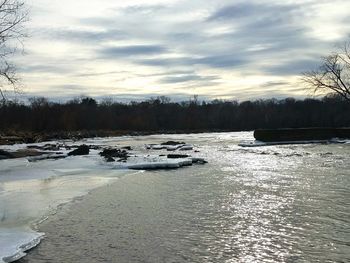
[15, 137]
[36, 224]
[76, 210]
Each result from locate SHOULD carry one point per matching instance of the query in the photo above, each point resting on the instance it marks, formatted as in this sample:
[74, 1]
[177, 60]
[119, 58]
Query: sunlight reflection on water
[268, 204]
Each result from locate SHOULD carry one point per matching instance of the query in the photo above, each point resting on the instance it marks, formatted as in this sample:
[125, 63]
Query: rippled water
[286, 203]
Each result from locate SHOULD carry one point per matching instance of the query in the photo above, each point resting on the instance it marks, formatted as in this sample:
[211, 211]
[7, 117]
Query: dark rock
[116, 153]
[172, 143]
[46, 147]
[19, 153]
[109, 159]
[54, 156]
[26, 153]
[81, 150]
[199, 161]
[176, 156]
[95, 147]
[5, 155]
[127, 148]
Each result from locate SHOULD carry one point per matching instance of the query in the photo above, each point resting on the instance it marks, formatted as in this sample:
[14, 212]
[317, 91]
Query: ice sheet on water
[30, 190]
[14, 242]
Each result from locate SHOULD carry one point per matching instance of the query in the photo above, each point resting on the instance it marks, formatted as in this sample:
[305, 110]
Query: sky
[134, 50]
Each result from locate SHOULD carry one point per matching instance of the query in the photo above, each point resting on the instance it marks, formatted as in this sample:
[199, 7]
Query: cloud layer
[216, 49]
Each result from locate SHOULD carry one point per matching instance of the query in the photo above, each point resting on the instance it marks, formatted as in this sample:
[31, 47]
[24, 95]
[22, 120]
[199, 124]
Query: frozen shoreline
[33, 187]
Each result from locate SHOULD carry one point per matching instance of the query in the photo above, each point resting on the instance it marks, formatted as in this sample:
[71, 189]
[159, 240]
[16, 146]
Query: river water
[287, 203]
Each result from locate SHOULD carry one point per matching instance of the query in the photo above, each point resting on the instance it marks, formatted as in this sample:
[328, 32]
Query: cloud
[274, 83]
[147, 46]
[292, 67]
[80, 35]
[43, 68]
[187, 78]
[251, 10]
[132, 50]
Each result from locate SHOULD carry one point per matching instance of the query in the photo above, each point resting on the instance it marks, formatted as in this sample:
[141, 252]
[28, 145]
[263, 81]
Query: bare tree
[13, 14]
[333, 75]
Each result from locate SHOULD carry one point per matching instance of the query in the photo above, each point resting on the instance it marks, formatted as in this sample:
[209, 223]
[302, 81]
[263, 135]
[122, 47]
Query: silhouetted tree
[334, 73]
[12, 16]
[161, 115]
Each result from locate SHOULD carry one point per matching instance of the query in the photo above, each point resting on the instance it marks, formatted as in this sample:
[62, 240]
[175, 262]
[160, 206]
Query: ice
[186, 147]
[29, 191]
[32, 188]
[15, 241]
[180, 147]
[151, 163]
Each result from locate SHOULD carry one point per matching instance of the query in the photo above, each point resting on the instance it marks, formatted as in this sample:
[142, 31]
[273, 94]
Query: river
[287, 203]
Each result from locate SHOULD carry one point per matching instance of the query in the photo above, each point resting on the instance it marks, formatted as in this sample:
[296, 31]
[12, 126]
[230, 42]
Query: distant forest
[161, 115]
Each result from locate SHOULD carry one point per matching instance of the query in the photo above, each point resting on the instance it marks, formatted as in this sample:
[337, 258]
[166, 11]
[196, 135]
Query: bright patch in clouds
[216, 49]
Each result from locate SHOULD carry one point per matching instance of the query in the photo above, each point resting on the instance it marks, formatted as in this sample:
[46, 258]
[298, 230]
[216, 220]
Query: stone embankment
[301, 134]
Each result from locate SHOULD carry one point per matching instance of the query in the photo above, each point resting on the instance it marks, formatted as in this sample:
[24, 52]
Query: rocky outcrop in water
[111, 153]
[176, 156]
[81, 150]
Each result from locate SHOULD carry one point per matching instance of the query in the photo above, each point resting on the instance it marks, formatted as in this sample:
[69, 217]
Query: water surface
[286, 203]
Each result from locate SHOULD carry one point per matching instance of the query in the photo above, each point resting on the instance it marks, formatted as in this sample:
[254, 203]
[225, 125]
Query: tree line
[160, 114]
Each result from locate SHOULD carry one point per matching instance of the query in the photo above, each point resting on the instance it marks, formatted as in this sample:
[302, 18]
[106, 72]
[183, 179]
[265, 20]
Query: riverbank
[17, 137]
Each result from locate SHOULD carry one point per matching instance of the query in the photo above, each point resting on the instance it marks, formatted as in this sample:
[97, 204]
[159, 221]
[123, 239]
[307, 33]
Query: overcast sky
[216, 49]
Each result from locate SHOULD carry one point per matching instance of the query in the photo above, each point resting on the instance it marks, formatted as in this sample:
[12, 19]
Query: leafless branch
[333, 75]
[12, 17]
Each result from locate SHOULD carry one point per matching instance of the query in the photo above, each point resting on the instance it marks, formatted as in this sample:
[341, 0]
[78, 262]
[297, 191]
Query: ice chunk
[186, 147]
[15, 241]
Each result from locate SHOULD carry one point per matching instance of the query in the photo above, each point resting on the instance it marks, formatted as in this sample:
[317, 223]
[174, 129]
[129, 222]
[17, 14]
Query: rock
[19, 154]
[81, 150]
[95, 147]
[127, 148]
[26, 153]
[116, 153]
[46, 147]
[54, 156]
[109, 159]
[176, 156]
[5, 155]
[199, 161]
[172, 143]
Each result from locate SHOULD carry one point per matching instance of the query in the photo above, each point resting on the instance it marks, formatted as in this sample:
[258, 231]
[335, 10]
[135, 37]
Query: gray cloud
[293, 67]
[187, 78]
[218, 61]
[85, 35]
[251, 9]
[177, 40]
[132, 50]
